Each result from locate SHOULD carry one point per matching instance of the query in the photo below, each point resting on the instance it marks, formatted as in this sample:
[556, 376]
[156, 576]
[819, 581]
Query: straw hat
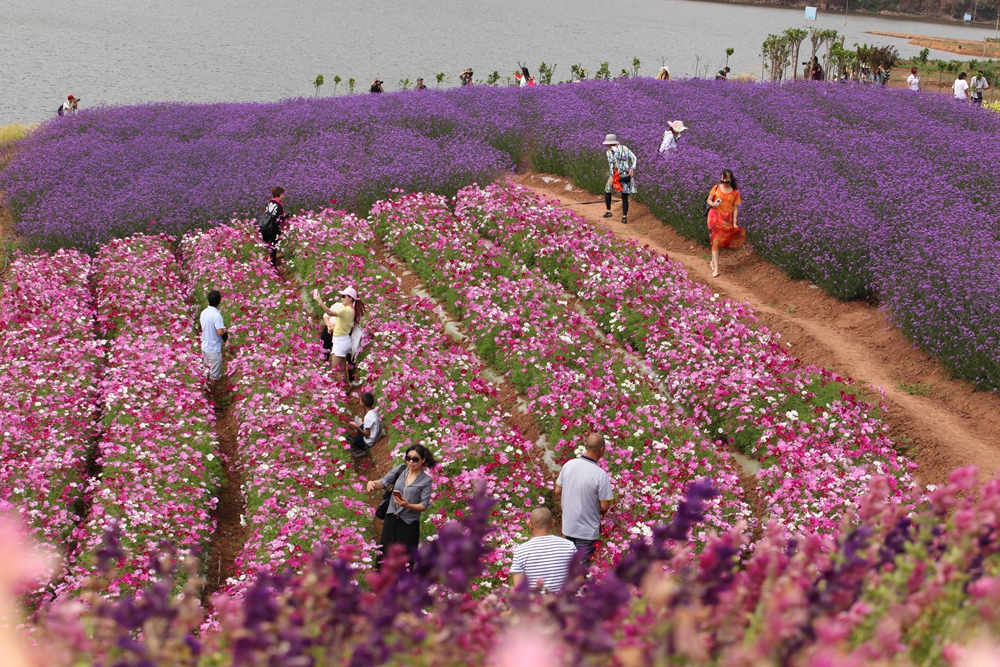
[677, 126]
[611, 140]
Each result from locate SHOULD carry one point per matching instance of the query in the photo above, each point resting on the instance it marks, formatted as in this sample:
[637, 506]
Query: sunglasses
[412, 459]
[726, 180]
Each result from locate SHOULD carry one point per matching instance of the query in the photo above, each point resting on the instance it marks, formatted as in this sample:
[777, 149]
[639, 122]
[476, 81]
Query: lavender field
[868, 193]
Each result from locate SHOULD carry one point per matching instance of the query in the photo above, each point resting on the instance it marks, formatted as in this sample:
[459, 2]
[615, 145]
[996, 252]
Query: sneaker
[607, 214]
[357, 383]
[356, 453]
[624, 220]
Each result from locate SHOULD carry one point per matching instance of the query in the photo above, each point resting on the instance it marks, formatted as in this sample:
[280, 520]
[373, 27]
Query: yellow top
[343, 320]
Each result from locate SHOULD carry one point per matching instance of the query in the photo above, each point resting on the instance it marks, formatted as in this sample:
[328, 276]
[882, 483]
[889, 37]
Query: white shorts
[342, 346]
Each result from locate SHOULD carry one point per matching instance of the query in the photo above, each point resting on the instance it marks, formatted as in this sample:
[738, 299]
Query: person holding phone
[411, 496]
[723, 228]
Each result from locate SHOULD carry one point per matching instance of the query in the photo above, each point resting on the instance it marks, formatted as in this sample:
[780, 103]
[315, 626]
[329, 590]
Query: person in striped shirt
[544, 559]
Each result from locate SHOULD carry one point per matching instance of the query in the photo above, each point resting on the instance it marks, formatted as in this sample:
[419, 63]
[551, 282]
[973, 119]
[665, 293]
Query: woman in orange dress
[723, 230]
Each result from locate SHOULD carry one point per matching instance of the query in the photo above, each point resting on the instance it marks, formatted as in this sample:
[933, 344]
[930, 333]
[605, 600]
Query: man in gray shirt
[584, 489]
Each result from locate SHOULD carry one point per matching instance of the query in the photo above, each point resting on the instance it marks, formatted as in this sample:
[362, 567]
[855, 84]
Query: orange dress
[721, 229]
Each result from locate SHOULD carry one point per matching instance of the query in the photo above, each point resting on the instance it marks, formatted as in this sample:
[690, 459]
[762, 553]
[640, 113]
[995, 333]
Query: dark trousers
[270, 237]
[585, 547]
[397, 531]
[358, 444]
[607, 202]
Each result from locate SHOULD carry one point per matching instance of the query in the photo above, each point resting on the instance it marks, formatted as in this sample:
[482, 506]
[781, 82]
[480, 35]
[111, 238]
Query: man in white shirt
[961, 88]
[584, 489]
[213, 335]
[978, 85]
[544, 559]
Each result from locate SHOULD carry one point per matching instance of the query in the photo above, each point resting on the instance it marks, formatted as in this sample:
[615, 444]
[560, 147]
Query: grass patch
[15, 131]
[915, 389]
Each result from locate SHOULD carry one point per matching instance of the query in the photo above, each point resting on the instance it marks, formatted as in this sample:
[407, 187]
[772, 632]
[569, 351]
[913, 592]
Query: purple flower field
[867, 192]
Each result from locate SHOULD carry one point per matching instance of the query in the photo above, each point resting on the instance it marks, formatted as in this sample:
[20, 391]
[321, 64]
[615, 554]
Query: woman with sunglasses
[411, 496]
[723, 230]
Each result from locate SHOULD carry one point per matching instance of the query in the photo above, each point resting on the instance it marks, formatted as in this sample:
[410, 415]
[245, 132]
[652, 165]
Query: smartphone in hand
[398, 497]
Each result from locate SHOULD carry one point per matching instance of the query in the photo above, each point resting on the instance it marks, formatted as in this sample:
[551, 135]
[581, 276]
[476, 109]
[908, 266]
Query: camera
[806, 62]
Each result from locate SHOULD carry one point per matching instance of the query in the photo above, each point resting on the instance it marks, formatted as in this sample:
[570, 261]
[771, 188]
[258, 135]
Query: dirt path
[944, 423]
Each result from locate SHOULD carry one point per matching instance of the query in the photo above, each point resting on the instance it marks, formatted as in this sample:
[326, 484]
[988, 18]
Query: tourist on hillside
[411, 495]
[723, 228]
[961, 88]
[213, 335]
[621, 168]
[544, 559]
[376, 87]
[722, 74]
[420, 85]
[669, 141]
[465, 77]
[978, 85]
[270, 222]
[663, 74]
[340, 319]
[913, 81]
[70, 106]
[584, 490]
[815, 69]
[367, 429]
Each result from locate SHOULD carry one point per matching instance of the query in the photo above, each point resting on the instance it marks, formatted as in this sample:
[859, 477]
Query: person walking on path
[270, 222]
[544, 559]
[978, 85]
[366, 430]
[913, 81]
[621, 169]
[340, 320]
[669, 142]
[723, 229]
[213, 335]
[961, 88]
[584, 490]
[411, 496]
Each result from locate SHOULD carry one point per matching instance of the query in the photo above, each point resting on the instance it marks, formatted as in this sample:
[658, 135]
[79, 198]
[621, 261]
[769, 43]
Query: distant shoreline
[982, 49]
[885, 13]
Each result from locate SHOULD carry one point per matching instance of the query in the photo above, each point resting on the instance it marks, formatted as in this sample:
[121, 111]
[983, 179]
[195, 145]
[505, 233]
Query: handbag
[705, 208]
[624, 179]
[383, 505]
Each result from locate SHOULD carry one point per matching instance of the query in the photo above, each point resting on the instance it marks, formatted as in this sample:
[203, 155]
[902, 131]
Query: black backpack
[59, 111]
[267, 222]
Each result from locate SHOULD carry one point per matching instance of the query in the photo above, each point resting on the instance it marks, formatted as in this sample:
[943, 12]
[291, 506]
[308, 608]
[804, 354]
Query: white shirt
[211, 341]
[913, 82]
[372, 422]
[979, 83]
[669, 142]
[961, 85]
[546, 557]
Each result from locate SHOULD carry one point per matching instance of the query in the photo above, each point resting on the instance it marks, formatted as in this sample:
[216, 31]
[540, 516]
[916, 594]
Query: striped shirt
[545, 557]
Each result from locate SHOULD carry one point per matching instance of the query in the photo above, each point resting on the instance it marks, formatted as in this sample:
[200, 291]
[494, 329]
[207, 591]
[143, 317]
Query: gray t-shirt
[416, 493]
[584, 485]
[211, 320]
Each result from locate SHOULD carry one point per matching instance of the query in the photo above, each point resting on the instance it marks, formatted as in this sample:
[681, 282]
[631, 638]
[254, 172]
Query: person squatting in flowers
[411, 495]
[367, 429]
[621, 169]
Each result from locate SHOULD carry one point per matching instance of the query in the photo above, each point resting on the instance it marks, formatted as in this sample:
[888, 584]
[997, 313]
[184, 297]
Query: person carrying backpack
[270, 222]
[69, 107]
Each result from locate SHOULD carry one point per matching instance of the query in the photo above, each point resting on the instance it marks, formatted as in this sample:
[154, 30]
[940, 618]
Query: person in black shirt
[420, 85]
[722, 74]
[270, 223]
[376, 86]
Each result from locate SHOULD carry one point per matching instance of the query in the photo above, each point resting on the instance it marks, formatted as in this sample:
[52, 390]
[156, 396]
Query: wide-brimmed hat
[611, 140]
[349, 291]
[677, 125]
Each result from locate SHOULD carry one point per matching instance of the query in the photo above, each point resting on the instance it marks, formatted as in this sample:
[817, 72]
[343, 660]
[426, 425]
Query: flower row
[50, 365]
[429, 390]
[575, 379]
[157, 455]
[817, 445]
[297, 483]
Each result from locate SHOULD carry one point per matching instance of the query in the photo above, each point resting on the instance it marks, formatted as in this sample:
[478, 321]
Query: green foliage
[545, 73]
[493, 79]
[635, 66]
[350, 84]
[603, 73]
[404, 84]
[439, 77]
[578, 71]
[318, 82]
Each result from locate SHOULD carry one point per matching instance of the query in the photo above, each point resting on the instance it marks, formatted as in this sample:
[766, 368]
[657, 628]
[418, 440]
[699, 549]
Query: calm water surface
[123, 51]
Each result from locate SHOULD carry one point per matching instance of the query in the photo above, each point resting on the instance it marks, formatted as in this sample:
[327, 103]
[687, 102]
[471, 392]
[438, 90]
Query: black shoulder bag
[383, 505]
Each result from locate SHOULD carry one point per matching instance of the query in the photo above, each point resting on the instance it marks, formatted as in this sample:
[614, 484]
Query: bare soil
[942, 422]
[965, 47]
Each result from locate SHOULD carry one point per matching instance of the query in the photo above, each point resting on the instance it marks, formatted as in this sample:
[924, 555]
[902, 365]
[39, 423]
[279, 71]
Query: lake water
[123, 51]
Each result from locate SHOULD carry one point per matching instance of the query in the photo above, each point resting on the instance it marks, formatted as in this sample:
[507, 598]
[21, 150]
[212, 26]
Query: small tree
[578, 71]
[336, 82]
[545, 73]
[318, 82]
[635, 66]
[924, 55]
[795, 36]
[777, 52]
[494, 78]
[603, 73]
[730, 51]
[404, 84]
[440, 78]
[350, 84]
